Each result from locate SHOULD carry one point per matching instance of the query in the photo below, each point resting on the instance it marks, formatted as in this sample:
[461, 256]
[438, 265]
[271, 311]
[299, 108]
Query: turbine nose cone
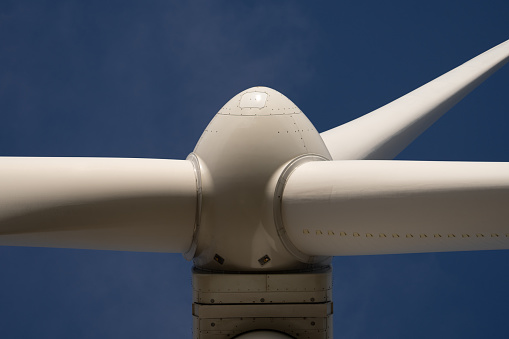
[240, 154]
[259, 101]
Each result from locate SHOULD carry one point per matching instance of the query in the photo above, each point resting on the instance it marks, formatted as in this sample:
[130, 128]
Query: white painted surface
[242, 153]
[385, 132]
[383, 207]
[253, 100]
[97, 203]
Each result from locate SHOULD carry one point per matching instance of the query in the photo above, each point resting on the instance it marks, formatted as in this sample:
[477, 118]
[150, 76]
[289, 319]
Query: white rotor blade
[385, 132]
[97, 203]
[383, 207]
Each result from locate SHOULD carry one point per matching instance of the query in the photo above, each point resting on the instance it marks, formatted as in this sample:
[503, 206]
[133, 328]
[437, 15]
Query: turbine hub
[241, 156]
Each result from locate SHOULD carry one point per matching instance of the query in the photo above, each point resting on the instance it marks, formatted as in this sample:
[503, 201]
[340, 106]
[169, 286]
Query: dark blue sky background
[133, 79]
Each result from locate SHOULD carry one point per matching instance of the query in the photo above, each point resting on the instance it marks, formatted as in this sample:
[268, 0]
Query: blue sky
[132, 79]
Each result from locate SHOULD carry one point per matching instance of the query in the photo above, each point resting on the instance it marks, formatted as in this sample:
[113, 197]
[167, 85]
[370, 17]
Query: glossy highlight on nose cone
[259, 101]
[253, 100]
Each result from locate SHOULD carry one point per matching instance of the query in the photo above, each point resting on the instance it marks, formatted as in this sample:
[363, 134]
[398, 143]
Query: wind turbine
[264, 201]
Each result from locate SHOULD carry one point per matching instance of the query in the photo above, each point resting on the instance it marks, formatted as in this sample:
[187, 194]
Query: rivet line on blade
[320, 232]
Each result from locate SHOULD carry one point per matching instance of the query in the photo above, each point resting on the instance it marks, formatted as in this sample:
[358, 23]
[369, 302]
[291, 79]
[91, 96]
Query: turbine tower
[265, 201]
